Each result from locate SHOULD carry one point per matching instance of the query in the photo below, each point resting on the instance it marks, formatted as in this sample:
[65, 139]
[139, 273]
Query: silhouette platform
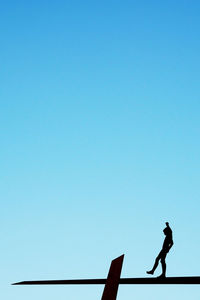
[166, 280]
[113, 280]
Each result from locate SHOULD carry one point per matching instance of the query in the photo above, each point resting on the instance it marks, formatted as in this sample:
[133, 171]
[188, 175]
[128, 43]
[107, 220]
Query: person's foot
[150, 272]
[162, 276]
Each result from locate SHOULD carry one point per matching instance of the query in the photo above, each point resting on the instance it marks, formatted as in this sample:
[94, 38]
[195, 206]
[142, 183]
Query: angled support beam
[112, 282]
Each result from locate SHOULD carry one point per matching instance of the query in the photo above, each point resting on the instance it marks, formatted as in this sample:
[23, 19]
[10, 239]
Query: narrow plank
[154, 280]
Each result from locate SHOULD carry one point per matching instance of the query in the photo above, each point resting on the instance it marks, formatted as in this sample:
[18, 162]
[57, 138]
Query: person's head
[167, 230]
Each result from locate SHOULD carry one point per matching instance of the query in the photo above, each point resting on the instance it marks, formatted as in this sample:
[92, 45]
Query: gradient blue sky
[99, 115]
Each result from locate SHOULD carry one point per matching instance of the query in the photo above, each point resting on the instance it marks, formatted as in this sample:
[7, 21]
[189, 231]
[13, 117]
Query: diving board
[167, 280]
[113, 280]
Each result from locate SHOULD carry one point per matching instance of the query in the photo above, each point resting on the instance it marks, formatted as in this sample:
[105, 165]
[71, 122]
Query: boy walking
[168, 243]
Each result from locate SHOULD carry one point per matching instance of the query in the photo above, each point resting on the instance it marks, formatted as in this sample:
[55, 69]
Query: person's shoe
[162, 276]
[150, 272]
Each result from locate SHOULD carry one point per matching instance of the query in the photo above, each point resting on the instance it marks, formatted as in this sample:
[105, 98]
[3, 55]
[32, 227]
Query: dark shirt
[168, 242]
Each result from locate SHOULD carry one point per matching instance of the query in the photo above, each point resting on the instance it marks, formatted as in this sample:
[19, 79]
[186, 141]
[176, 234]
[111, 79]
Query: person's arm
[171, 244]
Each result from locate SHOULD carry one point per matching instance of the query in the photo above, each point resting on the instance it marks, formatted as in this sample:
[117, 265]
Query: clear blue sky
[99, 118]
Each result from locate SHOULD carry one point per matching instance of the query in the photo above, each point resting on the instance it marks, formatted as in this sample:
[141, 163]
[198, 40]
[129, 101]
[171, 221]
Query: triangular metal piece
[112, 282]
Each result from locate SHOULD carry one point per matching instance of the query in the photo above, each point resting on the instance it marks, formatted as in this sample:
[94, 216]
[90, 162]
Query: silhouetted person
[168, 243]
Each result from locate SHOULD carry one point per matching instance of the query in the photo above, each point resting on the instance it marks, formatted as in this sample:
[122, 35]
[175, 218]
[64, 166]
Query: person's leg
[155, 264]
[163, 263]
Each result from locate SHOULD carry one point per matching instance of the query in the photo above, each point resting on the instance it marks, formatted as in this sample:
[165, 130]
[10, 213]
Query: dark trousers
[161, 256]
